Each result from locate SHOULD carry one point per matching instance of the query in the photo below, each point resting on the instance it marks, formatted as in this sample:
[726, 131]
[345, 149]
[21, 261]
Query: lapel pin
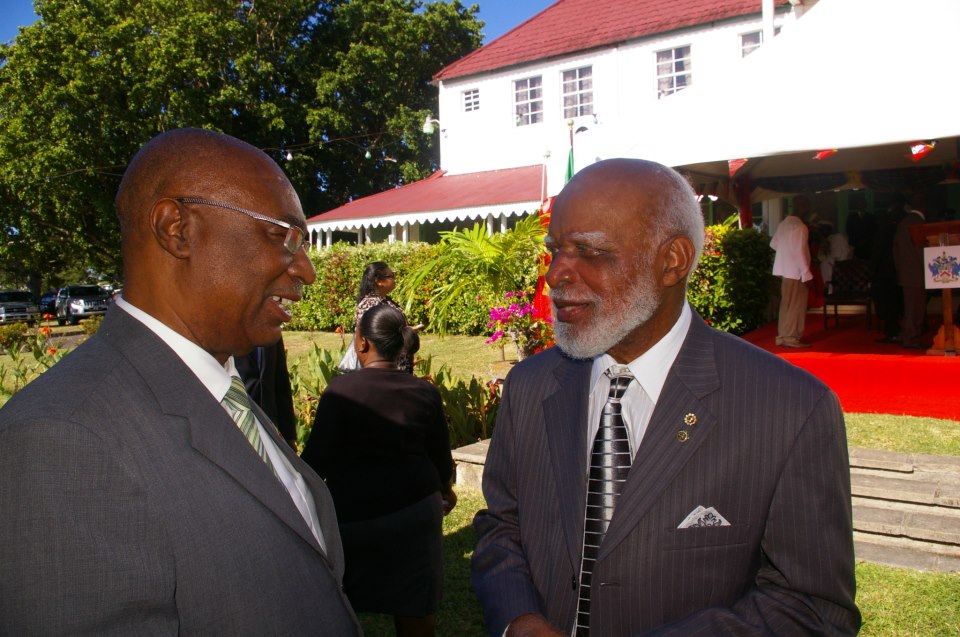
[683, 436]
[690, 419]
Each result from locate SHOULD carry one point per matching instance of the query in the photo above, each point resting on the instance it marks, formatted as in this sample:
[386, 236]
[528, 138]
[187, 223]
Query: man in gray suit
[734, 518]
[131, 503]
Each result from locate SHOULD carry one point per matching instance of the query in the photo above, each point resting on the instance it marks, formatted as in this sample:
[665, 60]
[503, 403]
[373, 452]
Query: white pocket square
[703, 517]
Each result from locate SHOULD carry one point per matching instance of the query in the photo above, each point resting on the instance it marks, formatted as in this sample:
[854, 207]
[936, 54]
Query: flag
[569, 174]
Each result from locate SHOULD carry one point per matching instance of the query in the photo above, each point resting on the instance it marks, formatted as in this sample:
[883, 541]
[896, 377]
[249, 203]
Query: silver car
[77, 302]
[18, 306]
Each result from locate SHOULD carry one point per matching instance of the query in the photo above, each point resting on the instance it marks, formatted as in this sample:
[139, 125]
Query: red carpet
[872, 377]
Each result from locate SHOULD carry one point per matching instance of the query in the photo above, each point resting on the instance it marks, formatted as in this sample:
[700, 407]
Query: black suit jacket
[265, 376]
[767, 450]
[131, 504]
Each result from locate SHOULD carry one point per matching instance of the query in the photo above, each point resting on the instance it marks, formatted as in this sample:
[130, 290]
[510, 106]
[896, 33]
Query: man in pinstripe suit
[735, 516]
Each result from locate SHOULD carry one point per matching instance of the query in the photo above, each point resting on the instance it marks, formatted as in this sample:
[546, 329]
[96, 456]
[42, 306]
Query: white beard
[613, 319]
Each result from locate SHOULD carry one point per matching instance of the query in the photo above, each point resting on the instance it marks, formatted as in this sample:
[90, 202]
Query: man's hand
[449, 500]
[531, 625]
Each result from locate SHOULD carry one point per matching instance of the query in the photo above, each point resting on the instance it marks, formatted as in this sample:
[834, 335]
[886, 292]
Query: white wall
[624, 88]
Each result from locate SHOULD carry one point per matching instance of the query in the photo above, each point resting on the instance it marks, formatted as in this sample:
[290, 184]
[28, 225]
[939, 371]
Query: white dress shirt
[790, 241]
[216, 378]
[650, 370]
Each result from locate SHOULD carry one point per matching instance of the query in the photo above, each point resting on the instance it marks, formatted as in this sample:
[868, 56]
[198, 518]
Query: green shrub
[731, 286]
[13, 336]
[91, 325]
[330, 302]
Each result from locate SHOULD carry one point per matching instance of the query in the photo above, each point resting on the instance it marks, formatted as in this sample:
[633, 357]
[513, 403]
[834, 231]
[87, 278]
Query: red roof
[570, 26]
[441, 191]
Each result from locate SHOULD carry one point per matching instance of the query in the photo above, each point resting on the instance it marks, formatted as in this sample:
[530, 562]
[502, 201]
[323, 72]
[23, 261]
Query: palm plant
[470, 263]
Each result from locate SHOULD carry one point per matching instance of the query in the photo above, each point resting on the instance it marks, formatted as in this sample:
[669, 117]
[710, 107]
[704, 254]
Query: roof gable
[571, 26]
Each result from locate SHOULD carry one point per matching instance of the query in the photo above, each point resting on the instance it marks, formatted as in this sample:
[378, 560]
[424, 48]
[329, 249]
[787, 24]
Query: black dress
[380, 440]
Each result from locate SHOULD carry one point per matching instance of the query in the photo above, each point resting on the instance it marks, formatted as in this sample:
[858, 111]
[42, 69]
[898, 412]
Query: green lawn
[894, 602]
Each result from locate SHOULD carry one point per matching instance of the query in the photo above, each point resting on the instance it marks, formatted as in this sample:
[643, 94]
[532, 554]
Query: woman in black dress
[380, 441]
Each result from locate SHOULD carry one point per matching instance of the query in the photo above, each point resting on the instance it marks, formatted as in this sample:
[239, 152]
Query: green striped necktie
[238, 404]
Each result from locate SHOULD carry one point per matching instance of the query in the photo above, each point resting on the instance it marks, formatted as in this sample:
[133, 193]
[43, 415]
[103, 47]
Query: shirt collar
[214, 376]
[650, 368]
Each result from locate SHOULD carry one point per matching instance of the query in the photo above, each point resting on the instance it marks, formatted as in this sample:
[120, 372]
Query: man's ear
[678, 260]
[170, 226]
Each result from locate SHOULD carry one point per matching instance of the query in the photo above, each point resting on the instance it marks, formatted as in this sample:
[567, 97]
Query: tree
[83, 88]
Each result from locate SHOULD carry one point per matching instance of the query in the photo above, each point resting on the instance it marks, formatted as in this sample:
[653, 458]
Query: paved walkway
[906, 507]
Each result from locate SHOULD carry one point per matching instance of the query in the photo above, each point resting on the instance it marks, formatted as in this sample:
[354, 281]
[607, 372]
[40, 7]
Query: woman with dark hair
[377, 282]
[380, 441]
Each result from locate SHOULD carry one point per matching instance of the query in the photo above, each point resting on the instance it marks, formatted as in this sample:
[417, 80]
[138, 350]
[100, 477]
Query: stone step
[898, 519]
[919, 487]
[906, 553]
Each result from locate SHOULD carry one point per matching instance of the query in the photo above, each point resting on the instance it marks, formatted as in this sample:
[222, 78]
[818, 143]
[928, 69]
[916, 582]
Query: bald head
[625, 235]
[661, 198]
[181, 162]
[206, 221]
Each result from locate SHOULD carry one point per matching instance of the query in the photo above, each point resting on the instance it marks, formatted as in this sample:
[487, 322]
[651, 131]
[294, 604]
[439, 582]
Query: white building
[591, 73]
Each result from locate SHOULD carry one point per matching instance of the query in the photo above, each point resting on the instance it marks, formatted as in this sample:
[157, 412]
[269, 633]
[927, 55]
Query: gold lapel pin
[690, 419]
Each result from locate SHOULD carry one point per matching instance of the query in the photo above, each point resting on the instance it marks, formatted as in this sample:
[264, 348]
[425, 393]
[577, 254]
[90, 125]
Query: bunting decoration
[919, 150]
[735, 165]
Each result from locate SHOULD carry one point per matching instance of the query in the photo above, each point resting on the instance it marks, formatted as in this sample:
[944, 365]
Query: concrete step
[916, 522]
[906, 507]
[906, 553]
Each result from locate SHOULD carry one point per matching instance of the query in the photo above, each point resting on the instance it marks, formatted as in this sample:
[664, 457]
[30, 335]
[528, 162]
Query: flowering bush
[29, 353]
[522, 323]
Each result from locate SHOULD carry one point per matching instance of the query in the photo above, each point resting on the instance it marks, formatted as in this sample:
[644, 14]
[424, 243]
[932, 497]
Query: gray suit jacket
[130, 503]
[768, 451]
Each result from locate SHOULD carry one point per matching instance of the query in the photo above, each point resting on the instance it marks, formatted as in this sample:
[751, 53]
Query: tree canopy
[318, 85]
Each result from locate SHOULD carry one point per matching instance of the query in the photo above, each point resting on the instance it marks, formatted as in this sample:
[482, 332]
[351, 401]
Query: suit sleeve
[500, 573]
[805, 584]
[81, 551]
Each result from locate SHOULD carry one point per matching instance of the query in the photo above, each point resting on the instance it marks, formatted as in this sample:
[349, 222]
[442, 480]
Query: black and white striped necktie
[609, 465]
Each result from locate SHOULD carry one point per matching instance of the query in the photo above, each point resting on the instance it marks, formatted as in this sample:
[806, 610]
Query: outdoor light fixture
[430, 125]
[289, 156]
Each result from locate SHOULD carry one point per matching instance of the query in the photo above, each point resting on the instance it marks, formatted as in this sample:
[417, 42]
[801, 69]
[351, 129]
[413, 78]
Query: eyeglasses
[293, 240]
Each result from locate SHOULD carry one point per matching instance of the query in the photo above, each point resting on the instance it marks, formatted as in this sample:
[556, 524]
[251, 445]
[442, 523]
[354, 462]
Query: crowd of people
[806, 255]
[649, 475]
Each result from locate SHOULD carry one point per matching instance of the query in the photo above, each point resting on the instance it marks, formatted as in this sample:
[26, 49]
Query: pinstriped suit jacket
[768, 451]
[131, 504]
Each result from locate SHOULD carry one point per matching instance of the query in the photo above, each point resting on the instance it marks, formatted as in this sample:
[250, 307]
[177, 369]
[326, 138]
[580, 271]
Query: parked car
[48, 303]
[77, 302]
[17, 306]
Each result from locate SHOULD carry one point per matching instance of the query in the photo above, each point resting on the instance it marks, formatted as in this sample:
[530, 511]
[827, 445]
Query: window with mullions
[750, 42]
[471, 100]
[577, 92]
[528, 100]
[673, 70]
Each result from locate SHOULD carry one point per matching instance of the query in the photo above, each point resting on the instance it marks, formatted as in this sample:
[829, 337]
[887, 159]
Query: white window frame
[746, 48]
[673, 64]
[528, 100]
[470, 100]
[577, 89]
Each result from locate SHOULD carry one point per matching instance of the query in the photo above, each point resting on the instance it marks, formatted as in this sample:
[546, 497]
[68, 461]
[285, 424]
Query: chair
[849, 285]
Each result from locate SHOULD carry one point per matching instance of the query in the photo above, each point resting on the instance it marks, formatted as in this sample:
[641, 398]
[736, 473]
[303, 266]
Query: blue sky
[499, 15]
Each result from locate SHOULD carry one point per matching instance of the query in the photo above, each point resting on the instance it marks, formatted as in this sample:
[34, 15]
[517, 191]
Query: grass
[904, 433]
[894, 602]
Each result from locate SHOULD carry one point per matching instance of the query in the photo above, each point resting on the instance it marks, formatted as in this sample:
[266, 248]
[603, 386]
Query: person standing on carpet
[381, 441]
[908, 258]
[792, 265]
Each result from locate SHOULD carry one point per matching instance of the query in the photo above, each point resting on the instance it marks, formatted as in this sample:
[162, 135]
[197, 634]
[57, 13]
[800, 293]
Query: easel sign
[941, 267]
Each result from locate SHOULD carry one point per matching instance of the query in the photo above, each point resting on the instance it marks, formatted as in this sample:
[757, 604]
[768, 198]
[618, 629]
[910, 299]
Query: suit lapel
[213, 433]
[662, 453]
[565, 414]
